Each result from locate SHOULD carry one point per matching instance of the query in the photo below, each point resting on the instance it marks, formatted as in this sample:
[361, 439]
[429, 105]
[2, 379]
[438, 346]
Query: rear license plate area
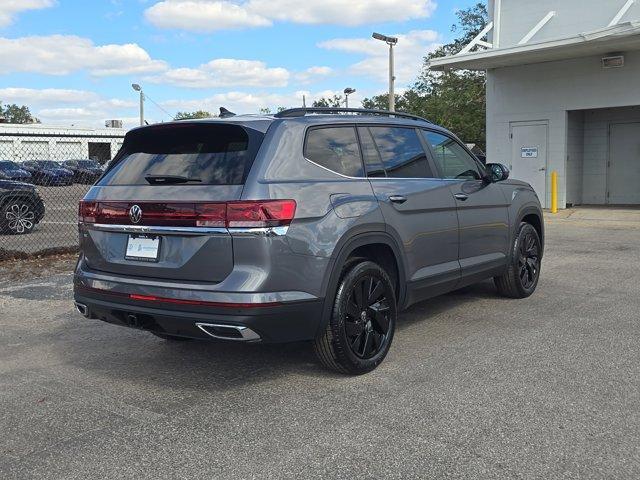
[143, 248]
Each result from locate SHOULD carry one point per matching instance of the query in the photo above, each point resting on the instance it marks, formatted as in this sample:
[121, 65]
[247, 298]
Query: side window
[372, 162]
[452, 158]
[335, 148]
[402, 153]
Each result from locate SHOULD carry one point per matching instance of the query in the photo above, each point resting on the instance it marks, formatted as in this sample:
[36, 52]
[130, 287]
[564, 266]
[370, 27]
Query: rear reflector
[176, 301]
[248, 214]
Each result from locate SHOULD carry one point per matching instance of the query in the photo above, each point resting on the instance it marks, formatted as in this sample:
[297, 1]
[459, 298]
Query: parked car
[48, 172]
[310, 224]
[21, 208]
[11, 171]
[84, 171]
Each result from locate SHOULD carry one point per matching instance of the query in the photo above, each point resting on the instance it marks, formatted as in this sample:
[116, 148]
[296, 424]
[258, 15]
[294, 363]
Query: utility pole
[138, 88]
[391, 41]
[348, 91]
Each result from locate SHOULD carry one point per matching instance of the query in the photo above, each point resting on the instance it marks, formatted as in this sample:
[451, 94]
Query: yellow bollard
[554, 192]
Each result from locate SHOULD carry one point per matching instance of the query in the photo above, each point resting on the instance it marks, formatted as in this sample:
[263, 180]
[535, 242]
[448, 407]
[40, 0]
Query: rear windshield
[87, 163]
[205, 154]
[7, 166]
[47, 164]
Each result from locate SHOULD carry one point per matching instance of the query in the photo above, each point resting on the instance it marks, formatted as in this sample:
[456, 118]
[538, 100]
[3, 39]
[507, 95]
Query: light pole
[138, 88]
[348, 91]
[391, 41]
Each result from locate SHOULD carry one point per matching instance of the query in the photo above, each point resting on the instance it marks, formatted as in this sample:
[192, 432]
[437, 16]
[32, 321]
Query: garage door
[624, 164]
[69, 151]
[34, 150]
[7, 151]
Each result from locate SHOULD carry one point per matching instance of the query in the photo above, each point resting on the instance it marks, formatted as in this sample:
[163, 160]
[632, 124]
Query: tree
[17, 114]
[336, 101]
[193, 115]
[457, 99]
[454, 99]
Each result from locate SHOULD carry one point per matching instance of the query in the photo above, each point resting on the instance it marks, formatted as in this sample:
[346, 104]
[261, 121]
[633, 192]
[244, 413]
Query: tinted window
[7, 166]
[47, 164]
[87, 164]
[452, 159]
[206, 154]
[372, 162]
[335, 148]
[401, 151]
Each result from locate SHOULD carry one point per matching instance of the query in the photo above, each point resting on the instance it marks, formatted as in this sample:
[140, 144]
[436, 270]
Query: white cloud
[32, 96]
[342, 12]
[412, 47]
[78, 107]
[10, 8]
[247, 102]
[202, 15]
[212, 15]
[224, 72]
[64, 54]
[313, 74]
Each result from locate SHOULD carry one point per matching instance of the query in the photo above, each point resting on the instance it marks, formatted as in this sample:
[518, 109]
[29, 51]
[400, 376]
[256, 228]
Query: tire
[170, 338]
[18, 216]
[523, 272]
[360, 330]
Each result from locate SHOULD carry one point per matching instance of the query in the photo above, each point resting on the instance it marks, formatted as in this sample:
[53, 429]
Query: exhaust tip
[237, 333]
[82, 309]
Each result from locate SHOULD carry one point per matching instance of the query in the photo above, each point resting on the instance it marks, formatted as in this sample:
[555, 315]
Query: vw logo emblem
[135, 214]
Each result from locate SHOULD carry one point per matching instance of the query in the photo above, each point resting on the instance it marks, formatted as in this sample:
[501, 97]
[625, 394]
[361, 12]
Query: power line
[172, 117]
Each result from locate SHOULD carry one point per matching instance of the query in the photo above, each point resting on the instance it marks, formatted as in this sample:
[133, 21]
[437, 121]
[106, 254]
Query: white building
[42, 142]
[563, 93]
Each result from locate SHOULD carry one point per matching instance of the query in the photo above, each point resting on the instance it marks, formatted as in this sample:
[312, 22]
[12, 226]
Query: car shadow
[139, 357]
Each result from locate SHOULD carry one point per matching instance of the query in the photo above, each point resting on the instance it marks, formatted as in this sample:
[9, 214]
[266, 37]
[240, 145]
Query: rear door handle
[461, 196]
[397, 199]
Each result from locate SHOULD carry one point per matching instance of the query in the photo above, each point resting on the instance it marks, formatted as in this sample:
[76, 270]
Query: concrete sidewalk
[604, 217]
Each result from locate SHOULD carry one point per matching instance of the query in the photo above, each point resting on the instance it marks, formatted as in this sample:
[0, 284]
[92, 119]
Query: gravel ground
[475, 386]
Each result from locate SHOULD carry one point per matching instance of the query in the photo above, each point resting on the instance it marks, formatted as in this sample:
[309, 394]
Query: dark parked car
[48, 172]
[21, 208]
[310, 224]
[12, 171]
[84, 171]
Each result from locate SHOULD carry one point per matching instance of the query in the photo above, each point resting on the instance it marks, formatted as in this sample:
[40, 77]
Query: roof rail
[301, 112]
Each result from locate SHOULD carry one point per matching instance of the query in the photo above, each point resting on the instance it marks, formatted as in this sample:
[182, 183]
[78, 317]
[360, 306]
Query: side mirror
[498, 171]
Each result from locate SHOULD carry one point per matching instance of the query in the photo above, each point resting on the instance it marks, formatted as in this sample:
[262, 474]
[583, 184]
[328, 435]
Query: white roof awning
[618, 38]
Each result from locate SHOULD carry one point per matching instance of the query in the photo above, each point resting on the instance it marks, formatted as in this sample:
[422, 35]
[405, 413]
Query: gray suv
[309, 225]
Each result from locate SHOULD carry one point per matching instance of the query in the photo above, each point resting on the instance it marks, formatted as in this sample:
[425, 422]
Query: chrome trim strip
[247, 334]
[196, 231]
[258, 232]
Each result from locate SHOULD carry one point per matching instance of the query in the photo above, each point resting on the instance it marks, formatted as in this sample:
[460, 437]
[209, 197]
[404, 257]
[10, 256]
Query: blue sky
[73, 61]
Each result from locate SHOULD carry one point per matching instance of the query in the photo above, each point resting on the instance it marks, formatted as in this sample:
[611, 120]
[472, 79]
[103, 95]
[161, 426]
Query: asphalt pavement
[475, 386]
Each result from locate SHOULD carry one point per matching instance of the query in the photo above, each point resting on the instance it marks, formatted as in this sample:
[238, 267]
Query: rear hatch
[159, 210]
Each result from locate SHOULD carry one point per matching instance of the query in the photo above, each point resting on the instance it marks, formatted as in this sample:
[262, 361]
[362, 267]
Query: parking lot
[475, 386]
[58, 228]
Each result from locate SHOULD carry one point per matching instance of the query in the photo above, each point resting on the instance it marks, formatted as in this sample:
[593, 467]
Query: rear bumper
[277, 323]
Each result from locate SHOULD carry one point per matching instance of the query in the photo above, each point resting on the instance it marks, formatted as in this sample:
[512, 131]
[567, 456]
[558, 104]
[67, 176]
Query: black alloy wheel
[362, 323]
[367, 317]
[528, 260]
[523, 271]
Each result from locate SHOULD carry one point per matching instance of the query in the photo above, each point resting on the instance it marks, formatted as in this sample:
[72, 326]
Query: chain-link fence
[42, 180]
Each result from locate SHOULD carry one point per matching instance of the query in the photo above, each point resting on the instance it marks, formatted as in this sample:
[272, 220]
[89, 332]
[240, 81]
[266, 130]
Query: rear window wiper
[169, 179]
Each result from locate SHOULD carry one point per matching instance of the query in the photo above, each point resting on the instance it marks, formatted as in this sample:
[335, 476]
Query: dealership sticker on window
[529, 152]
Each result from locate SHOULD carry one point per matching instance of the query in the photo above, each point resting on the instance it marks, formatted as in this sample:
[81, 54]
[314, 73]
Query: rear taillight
[273, 213]
[247, 214]
[87, 211]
